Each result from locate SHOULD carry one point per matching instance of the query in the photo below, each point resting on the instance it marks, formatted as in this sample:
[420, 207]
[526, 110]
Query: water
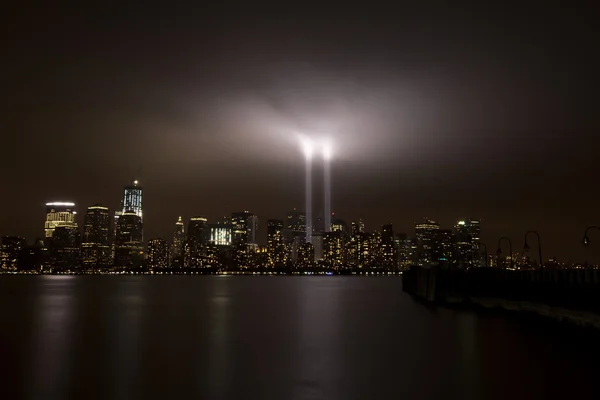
[176, 337]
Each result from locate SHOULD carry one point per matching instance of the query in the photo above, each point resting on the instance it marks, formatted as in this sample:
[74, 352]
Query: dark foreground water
[181, 337]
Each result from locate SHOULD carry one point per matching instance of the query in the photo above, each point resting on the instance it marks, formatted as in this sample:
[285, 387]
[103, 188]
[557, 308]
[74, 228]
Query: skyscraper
[375, 249]
[158, 254]
[65, 248]
[333, 248]
[276, 247]
[306, 255]
[178, 243]
[129, 249]
[427, 234]
[220, 245]
[252, 232]
[363, 251]
[195, 247]
[446, 253]
[295, 226]
[95, 246]
[468, 235]
[221, 234]
[59, 213]
[338, 225]
[132, 199]
[11, 250]
[388, 248]
[405, 250]
[357, 227]
[241, 222]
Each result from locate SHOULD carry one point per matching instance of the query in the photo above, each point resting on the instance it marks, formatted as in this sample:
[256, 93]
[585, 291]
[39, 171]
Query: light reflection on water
[53, 328]
[126, 335]
[262, 337]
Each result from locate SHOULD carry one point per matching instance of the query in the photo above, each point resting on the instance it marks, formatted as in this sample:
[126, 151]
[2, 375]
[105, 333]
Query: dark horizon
[483, 112]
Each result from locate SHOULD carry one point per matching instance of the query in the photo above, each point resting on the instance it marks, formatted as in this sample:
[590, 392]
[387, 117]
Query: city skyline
[433, 112]
[261, 235]
[341, 200]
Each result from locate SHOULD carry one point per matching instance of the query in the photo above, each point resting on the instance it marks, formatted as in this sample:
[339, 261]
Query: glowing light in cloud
[326, 148]
[307, 146]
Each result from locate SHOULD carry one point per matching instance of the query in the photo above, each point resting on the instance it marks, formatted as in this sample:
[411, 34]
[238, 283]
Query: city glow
[326, 148]
[307, 146]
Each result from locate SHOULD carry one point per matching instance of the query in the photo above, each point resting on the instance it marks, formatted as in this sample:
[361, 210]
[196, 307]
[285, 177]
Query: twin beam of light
[308, 148]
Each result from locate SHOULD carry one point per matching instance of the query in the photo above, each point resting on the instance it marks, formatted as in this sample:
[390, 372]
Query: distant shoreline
[222, 273]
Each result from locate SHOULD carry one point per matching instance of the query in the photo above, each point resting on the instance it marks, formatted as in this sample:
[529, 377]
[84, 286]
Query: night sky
[439, 111]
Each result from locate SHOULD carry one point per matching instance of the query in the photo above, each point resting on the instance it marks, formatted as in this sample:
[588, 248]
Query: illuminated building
[351, 251]
[306, 255]
[178, 243]
[221, 234]
[363, 250]
[295, 225]
[468, 235]
[219, 248]
[59, 213]
[318, 243]
[388, 249]
[277, 250]
[252, 231]
[427, 235]
[357, 227]
[11, 251]
[132, 199]
[195, 248]
[243, 236]
[64, 248]
[375, 249]
[333, 249]
[446, 247]
[339, 226]
[95, 246]
[262, 256]
[405, 248]
[294, 247]
[129, 243]
[158, 253]
[239, 220]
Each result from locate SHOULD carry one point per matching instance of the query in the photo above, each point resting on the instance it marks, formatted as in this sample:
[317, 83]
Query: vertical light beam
[327, 184]
[308, 150]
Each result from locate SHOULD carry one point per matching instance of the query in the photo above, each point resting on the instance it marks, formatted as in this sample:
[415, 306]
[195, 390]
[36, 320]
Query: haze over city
[433, 112]
[299, 201]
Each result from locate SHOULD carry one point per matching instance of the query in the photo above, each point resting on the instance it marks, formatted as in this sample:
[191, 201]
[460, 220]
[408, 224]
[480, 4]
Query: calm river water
[224, 337]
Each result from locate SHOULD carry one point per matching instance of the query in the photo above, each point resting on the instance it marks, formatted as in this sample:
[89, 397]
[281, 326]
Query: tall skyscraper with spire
[131, 201]
[178, 242]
